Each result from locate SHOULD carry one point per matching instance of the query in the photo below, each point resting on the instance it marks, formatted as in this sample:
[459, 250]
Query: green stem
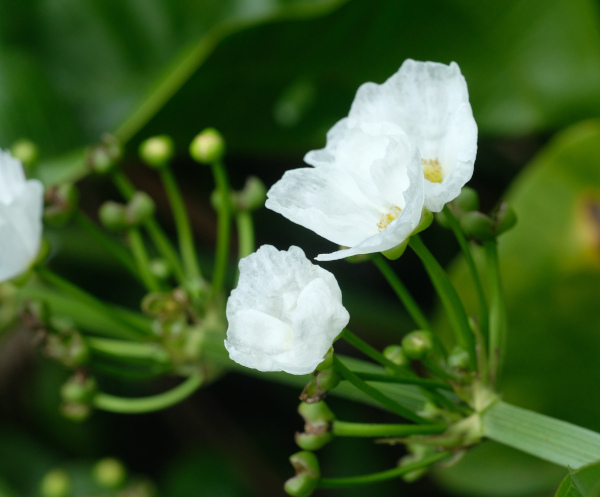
[223, 228]
[390, 474]
[497, 311]
[123, 325]
[449, 297]
[405, 297]
[129, 350]
[375, 394]
[125, 405]
[182, 223]
[107, 243]
[160, 240]
[138, 249]
[466, 250]
[550, 439]
[421, 382]
[347, 429]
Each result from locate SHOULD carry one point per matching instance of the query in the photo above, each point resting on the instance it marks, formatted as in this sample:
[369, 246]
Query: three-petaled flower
[284, 313]
[21, 204]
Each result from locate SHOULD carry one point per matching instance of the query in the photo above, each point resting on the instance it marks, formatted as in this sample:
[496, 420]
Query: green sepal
[307, 476]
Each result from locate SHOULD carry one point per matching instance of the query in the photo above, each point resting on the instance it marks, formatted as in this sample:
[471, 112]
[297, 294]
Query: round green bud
[76, 412]
[26, 151]
[140, 208]
[458, 358]
[327, 380]
[468, 200]
[112, 216]
[56, 483]
[160, 268]
[207, 147]
[505, 217]
[157, 151]
[477, 225]
[252, 196]
[418, 344]
[395, 354]
[307, 476]
[316, 413]
[78, 389]
[109, 473]
[313, 441]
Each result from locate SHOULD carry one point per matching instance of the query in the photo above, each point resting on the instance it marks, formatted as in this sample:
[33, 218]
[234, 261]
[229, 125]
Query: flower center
[388, 217]
[432, 170]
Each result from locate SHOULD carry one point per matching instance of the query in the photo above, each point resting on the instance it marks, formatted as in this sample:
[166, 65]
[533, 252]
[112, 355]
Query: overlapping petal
[285, 312]
[430, 102]
[368, 172]
[21, 204]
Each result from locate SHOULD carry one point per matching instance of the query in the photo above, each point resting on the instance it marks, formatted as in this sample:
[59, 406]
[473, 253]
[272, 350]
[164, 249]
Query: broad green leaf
[550, 265]
[584, 482]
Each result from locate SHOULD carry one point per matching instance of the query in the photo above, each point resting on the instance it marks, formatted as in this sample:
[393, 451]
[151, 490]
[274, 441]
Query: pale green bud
[418, 344]
[109, 473]
[56, 483]
[157, 151]
[207, 147]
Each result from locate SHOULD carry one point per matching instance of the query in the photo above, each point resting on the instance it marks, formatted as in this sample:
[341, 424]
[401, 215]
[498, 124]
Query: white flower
[365, 191]
[284, 313]
[21, 204]
[430, 102]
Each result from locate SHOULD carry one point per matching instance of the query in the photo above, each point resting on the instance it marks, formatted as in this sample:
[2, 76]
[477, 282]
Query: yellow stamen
[432, 170]
[387, 218]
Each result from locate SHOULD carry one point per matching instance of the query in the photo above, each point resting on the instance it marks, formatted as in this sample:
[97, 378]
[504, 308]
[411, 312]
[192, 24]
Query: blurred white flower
[430, 102]
[284, 313]
[365, 191]
[21, 204]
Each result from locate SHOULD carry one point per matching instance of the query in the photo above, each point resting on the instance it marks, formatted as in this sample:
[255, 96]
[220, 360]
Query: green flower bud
[395, 354]
[157, 151]
[140, 208]
[112, 216]
[78, 389]
[307, 476]
[468, 200]
[160, 268]
[313, 441]
[458, 359]
[56, 483]
[317, 413]
[207, 147]
[109, 473]
[60, 203]
[418, 344]
[327, 380]
[67, 347]
[26, 151]
[103, 158]
[477, 225]
[252, 196]
[505, 217]
[76, 412]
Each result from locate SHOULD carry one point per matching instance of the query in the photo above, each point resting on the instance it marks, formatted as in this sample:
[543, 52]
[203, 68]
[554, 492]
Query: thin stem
[372, 392]
[347, 429]
[405, 297]
[497, 311]
[122, 325]
[182, 223]
[466, 250]
[107, 243]
[422, 382]
[147, 404]
[160, 240]
[245, 230]
[383, 475]
[138, 249]
[129, 350]
[223, 228]
[449, 297]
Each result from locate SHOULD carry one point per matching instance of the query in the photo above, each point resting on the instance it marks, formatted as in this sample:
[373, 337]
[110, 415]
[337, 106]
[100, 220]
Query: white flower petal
[285, 312]
[430, 102]
[21, 204]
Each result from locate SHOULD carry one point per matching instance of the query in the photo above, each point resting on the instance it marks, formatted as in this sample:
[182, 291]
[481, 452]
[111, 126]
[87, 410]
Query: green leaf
[584, 482]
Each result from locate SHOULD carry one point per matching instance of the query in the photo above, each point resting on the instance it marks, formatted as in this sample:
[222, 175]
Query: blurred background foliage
[273, 76]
